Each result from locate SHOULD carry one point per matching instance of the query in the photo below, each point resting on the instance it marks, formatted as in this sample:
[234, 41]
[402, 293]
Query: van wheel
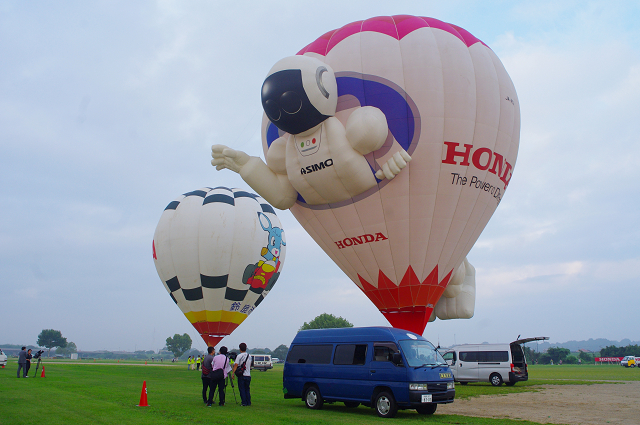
[351, 404]
[427, 409]
[495, 379]
[312, 398]
[510, 384]
[386, 406]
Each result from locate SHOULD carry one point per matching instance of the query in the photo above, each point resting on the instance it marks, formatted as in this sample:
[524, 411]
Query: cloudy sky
[108, 110]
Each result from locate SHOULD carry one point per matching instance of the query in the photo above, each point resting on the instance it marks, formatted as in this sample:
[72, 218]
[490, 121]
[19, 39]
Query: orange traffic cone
[42, 374]
[143, 395]
[3, 366]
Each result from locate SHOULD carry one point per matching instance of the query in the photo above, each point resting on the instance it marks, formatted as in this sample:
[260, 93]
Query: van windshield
[421, 353]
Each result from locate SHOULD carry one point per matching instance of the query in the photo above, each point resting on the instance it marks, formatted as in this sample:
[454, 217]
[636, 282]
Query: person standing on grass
[29, 357]
[22, 362]
[198, 361]
[206, 381]
[221, 361]
[242, 369]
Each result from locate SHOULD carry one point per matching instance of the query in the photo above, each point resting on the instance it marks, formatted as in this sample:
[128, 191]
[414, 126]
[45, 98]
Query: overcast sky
[108, 111]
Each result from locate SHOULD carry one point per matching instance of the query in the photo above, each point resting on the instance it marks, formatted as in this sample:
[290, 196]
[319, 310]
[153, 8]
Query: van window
[420, 353]
[261, 358]
[350, 354]
[450, 357]
[468, 356]
[314, 354]
[492, 356]
[383, 351]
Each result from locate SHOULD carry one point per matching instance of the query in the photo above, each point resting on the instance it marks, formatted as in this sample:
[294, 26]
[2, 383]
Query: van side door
[493, 361]
[451, 358]
[467, 364]
[382, 370]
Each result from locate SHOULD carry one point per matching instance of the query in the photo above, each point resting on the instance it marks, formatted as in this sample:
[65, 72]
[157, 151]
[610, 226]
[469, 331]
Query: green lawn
[556, 375]
[102, 393]
[552, 374]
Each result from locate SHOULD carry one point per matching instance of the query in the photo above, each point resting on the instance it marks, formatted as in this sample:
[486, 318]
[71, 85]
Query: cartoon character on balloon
[300, 97]
[265, 273]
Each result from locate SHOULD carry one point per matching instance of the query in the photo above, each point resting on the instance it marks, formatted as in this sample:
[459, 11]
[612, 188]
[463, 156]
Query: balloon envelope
[218, 253]
[451, 105]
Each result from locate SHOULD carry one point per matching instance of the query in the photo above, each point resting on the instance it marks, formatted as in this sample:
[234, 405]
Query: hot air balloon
[392, 140]
[218, 252]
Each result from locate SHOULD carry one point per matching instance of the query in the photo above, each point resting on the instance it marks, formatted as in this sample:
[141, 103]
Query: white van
[261, 362]
[629, 361]
[3, 359]
[494, 363]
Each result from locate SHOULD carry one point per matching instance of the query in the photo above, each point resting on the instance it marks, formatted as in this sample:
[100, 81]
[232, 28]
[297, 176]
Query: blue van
[384, 368]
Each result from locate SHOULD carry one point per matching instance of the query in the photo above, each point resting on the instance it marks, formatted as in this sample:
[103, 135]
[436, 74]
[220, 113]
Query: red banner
[609, 359]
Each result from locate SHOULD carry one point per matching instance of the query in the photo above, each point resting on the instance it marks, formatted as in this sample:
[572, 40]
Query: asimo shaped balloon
[218, 252]
[392, 140]
[300, 97]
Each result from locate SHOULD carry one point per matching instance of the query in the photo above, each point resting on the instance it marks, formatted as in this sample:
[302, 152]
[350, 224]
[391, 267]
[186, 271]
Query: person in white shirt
[242, 369]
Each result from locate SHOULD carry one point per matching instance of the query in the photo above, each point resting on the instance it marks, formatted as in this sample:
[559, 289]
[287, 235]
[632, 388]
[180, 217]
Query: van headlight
[418, 387]
[451, 385]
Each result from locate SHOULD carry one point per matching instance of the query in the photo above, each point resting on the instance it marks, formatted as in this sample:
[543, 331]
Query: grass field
[107, 393]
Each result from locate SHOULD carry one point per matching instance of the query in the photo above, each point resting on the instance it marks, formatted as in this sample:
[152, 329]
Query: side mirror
[397, 359]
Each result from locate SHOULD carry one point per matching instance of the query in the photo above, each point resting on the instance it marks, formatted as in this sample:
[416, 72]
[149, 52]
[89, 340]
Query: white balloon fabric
[218, 252]
[458, 301]
[392, 140]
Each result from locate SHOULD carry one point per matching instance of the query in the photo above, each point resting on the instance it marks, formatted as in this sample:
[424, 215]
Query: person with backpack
[220, 368]
[242, 369]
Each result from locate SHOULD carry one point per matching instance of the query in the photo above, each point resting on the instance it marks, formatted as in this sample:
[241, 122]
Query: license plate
[427, 398]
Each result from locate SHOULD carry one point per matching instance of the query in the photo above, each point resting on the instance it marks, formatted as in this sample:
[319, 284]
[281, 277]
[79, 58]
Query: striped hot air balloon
[218, 253]
[448, 102]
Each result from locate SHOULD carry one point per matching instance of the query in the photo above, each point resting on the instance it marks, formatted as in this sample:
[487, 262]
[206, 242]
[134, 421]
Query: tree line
[613, 351]
[180, 345]
[557, 355]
